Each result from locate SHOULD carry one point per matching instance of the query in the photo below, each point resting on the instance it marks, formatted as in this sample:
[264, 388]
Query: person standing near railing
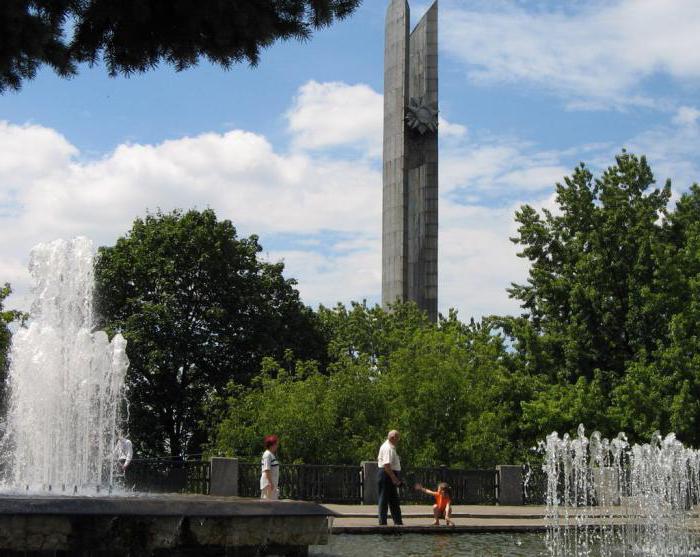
[270, 469]
[124, 453]
[389, 480]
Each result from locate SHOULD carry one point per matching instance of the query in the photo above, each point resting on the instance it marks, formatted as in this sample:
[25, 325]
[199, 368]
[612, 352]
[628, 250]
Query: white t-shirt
[269, 462]
[124, 451]
[388, 455]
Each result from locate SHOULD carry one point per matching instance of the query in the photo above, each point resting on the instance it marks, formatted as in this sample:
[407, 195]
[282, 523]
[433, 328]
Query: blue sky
[290, 150]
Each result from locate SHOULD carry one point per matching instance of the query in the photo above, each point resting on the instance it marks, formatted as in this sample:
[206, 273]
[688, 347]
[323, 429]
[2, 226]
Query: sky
[291, 150]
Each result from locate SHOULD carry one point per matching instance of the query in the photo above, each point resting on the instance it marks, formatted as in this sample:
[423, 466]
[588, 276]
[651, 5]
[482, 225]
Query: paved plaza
[362, 519]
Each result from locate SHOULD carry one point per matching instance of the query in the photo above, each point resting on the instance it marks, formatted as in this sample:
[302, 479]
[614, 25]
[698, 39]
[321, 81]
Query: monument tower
[410, 174]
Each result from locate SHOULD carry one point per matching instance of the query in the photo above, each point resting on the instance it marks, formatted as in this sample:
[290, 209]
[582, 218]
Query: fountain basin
[160, 525]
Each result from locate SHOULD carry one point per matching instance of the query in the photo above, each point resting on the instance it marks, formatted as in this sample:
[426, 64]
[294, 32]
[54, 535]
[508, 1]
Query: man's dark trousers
[388, 498]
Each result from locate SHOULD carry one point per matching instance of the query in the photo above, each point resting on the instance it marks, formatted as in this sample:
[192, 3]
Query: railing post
[510, 485]
[223, 479]
[370, 496]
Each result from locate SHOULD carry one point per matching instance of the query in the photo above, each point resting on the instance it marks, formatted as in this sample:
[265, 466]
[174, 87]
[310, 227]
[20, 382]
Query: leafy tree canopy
[447, 387]
[608, 337]
[136, 35]
[221, 345]
[198, 309]
[611, 302]
[6, 318]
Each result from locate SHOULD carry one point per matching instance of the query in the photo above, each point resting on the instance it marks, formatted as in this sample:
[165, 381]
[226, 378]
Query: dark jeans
[388, 498]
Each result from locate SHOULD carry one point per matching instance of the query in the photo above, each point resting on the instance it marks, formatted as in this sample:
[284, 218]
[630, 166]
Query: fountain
[608, 497]
[58, 448]
[66, 382]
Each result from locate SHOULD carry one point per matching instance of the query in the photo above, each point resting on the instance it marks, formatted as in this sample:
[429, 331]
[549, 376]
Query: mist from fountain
[608, 497]
[66, 382]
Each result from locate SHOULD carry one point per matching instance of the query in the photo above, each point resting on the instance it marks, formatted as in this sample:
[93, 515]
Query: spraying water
[66, 382]
[608, 497]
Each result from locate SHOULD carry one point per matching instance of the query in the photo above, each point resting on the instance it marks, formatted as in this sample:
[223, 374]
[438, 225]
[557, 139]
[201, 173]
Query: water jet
[67, 390]
[618, 498]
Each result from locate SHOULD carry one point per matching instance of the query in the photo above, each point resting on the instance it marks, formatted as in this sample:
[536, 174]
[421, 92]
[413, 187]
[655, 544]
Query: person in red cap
[270, 475]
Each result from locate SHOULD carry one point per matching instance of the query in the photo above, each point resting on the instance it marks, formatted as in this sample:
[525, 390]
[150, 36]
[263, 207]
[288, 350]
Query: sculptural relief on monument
[421, 117]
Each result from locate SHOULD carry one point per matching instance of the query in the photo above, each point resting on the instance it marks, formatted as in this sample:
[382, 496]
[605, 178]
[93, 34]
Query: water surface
[447, 545]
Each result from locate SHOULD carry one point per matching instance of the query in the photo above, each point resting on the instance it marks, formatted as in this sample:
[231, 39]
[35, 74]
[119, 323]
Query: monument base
[170, 525]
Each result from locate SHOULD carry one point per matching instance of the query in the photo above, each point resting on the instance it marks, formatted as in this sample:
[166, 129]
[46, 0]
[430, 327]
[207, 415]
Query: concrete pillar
[410, 155]
[510, 485]
[223, 480]
[422, 169]
[395, 196]
[370, 469]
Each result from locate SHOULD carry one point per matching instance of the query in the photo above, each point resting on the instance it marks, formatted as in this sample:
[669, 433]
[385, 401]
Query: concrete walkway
[361, 519]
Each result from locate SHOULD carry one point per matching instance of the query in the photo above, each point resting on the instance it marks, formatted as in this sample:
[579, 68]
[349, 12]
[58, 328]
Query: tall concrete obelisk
[410, 176]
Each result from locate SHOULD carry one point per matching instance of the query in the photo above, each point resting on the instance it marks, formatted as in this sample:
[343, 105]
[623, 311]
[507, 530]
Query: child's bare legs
[448, 515]
[436, 515]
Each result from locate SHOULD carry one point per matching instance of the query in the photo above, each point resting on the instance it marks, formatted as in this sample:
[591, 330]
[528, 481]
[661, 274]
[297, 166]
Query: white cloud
[237, 173]
[328, 115]
[451, 130]
[332, 114]
[686, 116]
[499, 165]
[477, 260]
[342, 276]
[27, 153]
[594, 54]
[671, 152]
[320, 214]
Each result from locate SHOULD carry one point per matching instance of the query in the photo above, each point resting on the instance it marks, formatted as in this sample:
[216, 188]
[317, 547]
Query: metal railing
[469, 487]
[168, 475]
[324, 483]
[307, 482]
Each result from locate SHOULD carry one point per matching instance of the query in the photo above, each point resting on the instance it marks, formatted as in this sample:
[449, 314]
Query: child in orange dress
[443, 502]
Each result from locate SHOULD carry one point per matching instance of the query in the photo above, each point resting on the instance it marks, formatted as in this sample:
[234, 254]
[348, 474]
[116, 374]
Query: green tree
[446, 386]
[371, 333]
[32, 34]
[136, 35]
[662, 389]
[198, 310]
[596, 284]
[6, 318]
[320, 418]
[608, 332]
[448, 397]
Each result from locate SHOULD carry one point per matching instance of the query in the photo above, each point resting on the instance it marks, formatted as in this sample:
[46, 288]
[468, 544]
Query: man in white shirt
[124, 453]
[388, 479]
